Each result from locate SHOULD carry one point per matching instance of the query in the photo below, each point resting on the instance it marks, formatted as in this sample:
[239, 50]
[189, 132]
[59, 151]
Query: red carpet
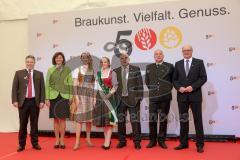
[213, 151]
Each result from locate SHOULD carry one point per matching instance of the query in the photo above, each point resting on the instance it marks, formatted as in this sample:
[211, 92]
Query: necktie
[29, 84]
[187, 67]
[124, 82]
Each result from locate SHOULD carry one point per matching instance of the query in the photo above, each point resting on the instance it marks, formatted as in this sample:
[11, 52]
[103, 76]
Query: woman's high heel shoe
[76, 147]
[62, 146]
[106, 148]
[57, 145]
[89, 144]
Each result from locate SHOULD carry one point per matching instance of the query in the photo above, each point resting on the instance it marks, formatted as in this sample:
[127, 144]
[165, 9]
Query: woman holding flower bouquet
[104, 110]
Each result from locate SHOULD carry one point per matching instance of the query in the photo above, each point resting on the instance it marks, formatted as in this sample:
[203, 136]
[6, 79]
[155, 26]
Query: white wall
[13, 49]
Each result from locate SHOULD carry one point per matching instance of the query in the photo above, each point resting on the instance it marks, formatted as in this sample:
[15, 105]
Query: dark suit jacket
[19, 86]
[159, 81]
[134, 84]
[196, 78]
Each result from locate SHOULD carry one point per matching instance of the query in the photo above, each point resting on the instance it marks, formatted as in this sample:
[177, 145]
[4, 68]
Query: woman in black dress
[58, 96]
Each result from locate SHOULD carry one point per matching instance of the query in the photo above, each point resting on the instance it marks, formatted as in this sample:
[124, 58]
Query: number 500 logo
[145, 39]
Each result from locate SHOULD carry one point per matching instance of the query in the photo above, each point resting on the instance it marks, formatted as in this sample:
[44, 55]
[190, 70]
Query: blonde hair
[89, 58]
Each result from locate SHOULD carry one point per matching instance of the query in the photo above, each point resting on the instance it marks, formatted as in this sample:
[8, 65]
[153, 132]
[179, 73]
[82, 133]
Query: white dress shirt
[159, 63]
[33, 89]
[127, 73]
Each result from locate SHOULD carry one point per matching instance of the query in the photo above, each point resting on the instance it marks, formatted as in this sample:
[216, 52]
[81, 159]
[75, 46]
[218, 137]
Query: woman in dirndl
[104, 111]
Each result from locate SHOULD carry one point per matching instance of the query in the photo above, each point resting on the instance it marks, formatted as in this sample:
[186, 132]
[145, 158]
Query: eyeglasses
[187, 50]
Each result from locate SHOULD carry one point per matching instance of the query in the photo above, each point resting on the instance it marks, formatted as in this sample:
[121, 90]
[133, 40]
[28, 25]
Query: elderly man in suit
[158, 79]
[188, 78]
[130, 94]
[28, 95]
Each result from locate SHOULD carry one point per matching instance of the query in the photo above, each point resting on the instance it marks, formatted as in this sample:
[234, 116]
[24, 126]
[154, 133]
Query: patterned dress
[85, 92]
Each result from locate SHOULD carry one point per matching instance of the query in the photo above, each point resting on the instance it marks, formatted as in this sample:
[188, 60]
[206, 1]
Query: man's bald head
[158, 56]
[187, 51]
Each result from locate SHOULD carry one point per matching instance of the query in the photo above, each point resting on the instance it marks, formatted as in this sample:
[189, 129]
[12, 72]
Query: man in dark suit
[129, 94]
[188, 78]
[28, 95]
[158, 79]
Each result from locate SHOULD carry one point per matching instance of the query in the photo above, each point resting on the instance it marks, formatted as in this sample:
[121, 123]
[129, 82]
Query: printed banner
[211, 27]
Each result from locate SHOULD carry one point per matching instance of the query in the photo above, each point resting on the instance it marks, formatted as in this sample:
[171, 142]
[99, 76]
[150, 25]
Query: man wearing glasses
[188, 78]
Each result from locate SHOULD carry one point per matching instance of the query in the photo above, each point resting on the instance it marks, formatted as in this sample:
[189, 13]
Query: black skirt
[59, 108]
